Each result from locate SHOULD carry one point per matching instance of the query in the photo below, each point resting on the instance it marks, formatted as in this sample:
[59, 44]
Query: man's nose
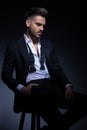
[41, 28]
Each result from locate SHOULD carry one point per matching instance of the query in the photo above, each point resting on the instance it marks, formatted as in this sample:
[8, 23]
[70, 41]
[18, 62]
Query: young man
[40, 81]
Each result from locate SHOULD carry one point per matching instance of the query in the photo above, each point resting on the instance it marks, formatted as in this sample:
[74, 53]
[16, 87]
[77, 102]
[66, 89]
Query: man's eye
[38, 24]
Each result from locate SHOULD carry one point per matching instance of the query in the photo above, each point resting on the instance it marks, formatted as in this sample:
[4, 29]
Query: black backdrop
[66, 27]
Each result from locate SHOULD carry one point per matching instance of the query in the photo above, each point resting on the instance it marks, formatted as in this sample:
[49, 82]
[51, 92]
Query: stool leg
[35, 121]
[22, 121]
[38, 121]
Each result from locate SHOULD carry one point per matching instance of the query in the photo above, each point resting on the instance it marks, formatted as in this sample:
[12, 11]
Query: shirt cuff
[68, 85]
[19, 87]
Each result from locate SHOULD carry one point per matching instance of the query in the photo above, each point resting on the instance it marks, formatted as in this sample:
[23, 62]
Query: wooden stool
[35, 121]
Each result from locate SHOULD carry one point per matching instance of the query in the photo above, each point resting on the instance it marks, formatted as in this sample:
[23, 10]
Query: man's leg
[77, 109]
[46, 101]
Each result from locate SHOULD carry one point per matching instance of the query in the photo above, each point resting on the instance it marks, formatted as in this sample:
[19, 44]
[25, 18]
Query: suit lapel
[44, 48]
[23, 50]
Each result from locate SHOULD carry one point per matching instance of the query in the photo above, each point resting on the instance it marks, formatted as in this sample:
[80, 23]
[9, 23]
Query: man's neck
[34, 40]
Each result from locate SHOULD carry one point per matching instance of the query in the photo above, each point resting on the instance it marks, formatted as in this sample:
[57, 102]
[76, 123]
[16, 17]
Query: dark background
[66, 27]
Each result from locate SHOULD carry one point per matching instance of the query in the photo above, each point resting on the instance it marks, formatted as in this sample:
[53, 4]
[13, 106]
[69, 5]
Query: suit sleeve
[56, 70]
[8, 69]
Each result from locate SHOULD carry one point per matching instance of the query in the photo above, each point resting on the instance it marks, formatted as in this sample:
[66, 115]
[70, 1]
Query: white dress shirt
[38, 74]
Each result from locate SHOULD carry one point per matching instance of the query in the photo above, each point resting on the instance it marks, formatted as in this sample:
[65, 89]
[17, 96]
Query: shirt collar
[27, 40]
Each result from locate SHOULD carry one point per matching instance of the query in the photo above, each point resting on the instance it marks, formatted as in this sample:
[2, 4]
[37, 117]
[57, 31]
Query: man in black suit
[39, 79]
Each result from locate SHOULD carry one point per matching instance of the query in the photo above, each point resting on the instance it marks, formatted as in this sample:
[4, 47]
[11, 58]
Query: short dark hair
[36, 11]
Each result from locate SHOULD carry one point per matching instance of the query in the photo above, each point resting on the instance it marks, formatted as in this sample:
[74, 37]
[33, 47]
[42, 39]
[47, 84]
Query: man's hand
[69, 94]
[27, 89]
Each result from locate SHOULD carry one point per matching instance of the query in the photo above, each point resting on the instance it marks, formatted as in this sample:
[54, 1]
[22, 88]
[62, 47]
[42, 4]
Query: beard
[32, 35]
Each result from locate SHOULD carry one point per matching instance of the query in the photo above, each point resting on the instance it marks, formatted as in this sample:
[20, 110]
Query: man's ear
[28, 22]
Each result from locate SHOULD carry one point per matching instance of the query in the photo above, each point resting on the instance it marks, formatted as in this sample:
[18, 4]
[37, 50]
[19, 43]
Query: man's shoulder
[15, 42]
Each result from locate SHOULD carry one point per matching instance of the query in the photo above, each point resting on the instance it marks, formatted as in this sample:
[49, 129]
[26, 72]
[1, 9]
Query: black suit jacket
[17, 57]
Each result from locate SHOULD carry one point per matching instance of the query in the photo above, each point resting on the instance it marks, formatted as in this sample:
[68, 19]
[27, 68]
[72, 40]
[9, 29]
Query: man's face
[36, 26]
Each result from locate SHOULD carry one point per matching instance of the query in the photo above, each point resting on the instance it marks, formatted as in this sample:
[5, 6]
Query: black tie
[31, 57]
[42, 62]
[42, 59]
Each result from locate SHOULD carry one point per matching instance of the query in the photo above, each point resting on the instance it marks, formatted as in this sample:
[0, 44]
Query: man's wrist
[68, 85]
[19, 87]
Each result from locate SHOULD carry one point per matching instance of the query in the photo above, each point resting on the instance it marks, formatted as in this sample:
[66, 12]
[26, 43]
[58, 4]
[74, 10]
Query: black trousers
[48, 97]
